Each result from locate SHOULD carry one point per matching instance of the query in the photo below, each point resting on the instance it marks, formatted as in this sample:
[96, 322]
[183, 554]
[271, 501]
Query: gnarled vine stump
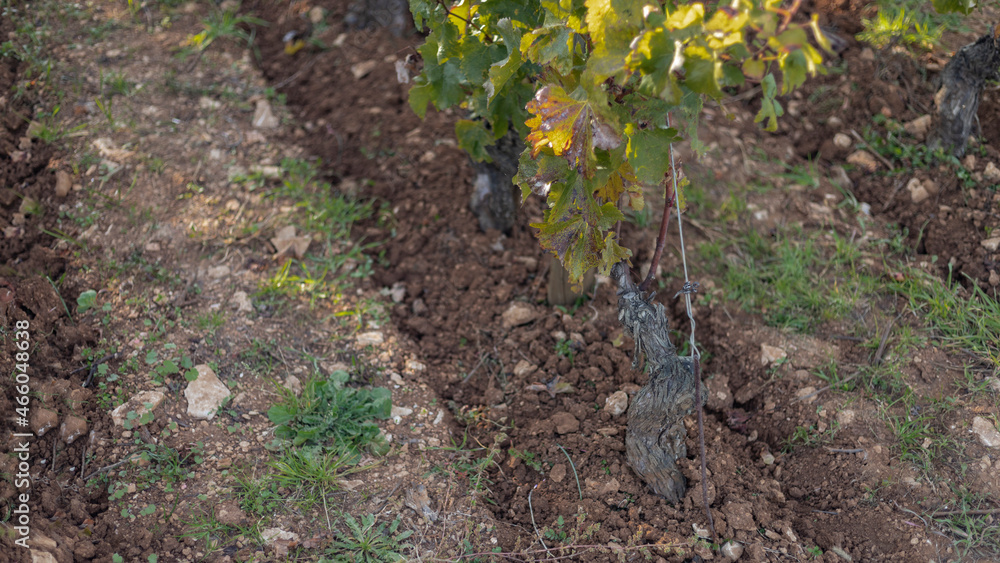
[654, 440]
[962, 84]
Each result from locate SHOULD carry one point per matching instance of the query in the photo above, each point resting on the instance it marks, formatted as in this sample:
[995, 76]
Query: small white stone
[991, 173]
[863, 160]
[138, 404]
[205, 394]
[918, 127]
[732, 551]
[397, 413]
[771, 354]
[263, 116]
[987, 433]
[617, 403]
[845, 417]
[524, 368]
[841, 140]
[271, 534]
[767, 458]
[991, 244]
[517, 314]
[373, 338]
[241, 301]
[398, 292]
[294, 385]
[917, 191]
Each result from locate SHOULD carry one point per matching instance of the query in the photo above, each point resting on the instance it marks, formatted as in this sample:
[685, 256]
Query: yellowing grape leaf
[569, 127]
[623, 181]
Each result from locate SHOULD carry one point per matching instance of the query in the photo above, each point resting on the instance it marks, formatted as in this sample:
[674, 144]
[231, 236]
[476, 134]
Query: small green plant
[565, 348]
[529, 459]
[85, 301]
[895, 26]
[224, 24]
[313, 472]
[329, 413]
[366, 542]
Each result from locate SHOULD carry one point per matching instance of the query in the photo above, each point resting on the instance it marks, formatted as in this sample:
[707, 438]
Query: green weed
[328, 413]
[366, 542]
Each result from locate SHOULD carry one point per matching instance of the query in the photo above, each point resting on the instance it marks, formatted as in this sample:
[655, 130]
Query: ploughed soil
[560, 465]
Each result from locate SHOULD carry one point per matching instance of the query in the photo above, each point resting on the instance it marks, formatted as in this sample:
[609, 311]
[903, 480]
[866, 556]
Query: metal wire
[689, 288]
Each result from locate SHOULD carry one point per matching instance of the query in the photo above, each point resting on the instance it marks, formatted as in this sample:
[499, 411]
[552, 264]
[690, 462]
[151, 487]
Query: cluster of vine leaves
[588, 84]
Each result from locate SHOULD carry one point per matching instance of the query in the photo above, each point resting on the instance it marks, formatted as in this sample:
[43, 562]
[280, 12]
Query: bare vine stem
[661, 238]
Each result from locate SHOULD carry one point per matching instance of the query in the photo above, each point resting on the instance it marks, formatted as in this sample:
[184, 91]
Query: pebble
[558, 472]
[397, 292]
[991, 244]
[841, 140]
[42, 420]
[845, 417]
[414, 365]
[373, 338]
[840, 178]
[241, 301]
[519, 313]
[918, 193]
[863, 160]
[294, 385]
[987, 433]
[263, 116]
[565, 423]
[205, 394]
[138, 404]
[397, 413]
[418, 307]
[994, 384]
[64, 182]
[363, 69]
[767, 458]
[72, 428]
[991, 173]
[617, 403]
[732, 551]
[770, 354]
[918, 127]
[271, 534]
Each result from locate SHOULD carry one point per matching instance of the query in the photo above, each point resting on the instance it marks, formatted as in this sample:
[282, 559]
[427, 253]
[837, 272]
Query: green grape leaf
[552, 46]
[422, 10]
[648, 152]
[702, 74]
[622, 181]
[770, 109]
[949, 6]
[754, 68]
[500, 72]
[571, 128]
[473, 138]
[440, 82]
[477, 58]
[612, 254]
[536, 175]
